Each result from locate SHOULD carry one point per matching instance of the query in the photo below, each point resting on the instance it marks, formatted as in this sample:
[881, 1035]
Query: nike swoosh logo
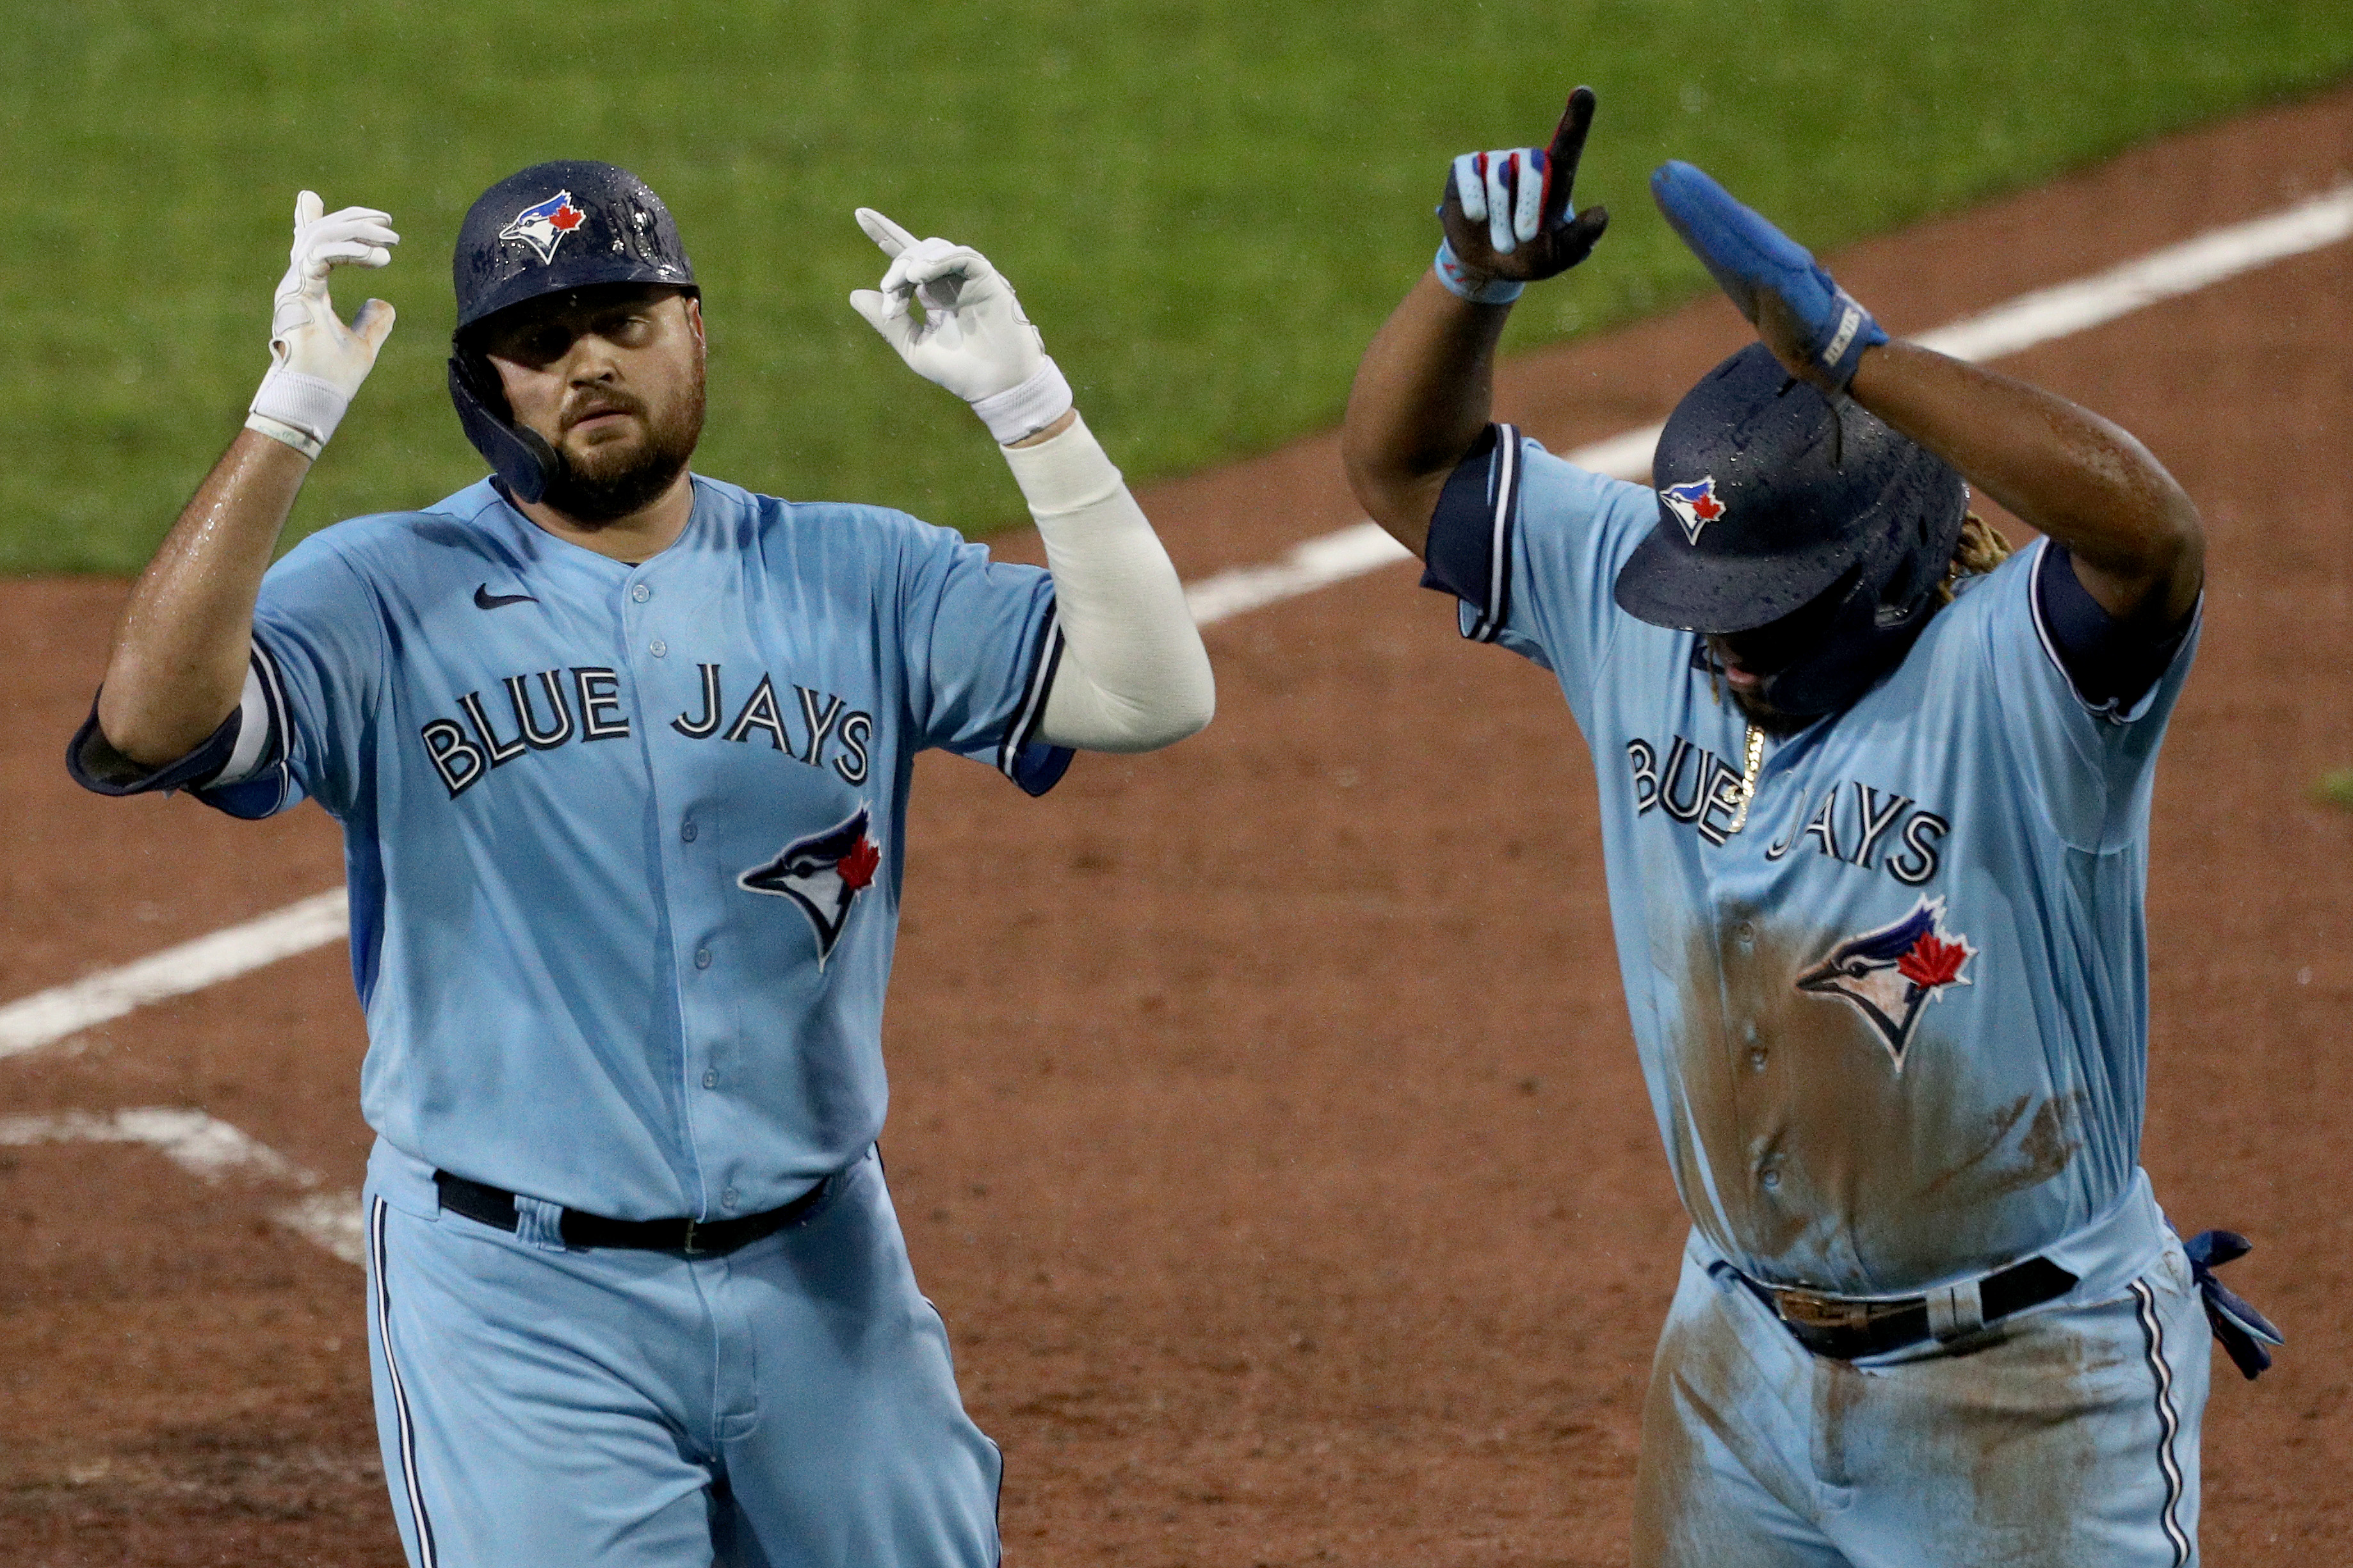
[486, 600]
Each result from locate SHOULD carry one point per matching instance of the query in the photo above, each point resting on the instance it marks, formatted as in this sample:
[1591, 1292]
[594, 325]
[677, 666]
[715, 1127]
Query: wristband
[309, 404]
[301, 441]
[1024, 410]
[1476, 286]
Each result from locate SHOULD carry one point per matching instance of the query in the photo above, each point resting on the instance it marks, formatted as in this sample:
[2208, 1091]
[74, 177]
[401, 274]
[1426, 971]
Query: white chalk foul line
[207, 1147]
[47, 1016]
[1334, 557]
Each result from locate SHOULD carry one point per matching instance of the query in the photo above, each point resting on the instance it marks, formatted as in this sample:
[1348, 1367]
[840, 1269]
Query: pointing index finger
[885, 234]
[1568, 147]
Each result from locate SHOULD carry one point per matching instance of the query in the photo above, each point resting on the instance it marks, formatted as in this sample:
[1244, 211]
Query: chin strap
[520, 457]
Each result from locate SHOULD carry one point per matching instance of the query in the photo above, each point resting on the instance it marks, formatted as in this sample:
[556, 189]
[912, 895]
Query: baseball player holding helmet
[1874, 796]
[621, 755]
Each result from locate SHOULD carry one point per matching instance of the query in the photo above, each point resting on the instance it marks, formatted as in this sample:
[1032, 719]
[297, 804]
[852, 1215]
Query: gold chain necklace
[1751, 762]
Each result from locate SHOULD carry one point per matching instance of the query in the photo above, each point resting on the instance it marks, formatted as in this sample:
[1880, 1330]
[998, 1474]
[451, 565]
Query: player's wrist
[301, 441]
[1066, 472]
[291, 404]
[1467, 282]
[1039, 438]
[1844, 335]
[1029, 407]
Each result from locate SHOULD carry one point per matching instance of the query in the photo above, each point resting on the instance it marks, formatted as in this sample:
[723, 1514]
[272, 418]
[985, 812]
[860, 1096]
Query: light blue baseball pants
[2063, 1436]
[790, 1403]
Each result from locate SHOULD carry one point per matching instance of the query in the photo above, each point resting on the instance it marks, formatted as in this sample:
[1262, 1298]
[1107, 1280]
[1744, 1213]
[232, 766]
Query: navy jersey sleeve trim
[259, 778]
[1468, 551]
[98, 767]
[2110, 664]
[248, 742]
[1028, 762]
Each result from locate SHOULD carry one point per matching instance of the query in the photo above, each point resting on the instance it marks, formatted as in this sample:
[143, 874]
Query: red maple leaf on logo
[857, 867]
[566, 218]
[1931, 962]
[1707, 508]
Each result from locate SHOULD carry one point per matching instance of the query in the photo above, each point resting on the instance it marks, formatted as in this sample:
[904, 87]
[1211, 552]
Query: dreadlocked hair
[1982, 549]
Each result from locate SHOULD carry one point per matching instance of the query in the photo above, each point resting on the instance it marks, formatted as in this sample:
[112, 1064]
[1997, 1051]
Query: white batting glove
[316, 362]
[971, 338]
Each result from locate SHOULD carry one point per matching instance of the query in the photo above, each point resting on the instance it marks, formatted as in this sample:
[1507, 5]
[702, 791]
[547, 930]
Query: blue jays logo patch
[1891, 974]
[1695, 504]
[543, 227]
[823, 874]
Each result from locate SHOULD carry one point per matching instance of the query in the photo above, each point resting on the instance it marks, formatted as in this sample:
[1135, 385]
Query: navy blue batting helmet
[1771, 498]
[571, 224]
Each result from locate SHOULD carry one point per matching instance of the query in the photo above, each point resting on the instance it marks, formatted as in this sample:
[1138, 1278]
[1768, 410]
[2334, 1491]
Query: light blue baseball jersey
[1894, 1029]
[625, 842]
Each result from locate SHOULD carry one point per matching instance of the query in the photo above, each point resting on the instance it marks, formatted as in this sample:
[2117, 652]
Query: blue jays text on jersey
[1894, 1028]
[624, 842]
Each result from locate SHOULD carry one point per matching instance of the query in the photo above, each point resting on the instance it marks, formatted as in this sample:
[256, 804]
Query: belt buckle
[1806, 1310]
[689, 1248]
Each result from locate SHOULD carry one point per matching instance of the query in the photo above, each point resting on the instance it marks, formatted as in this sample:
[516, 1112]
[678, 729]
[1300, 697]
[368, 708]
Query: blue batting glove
[1748, 258]
[2242, 1332]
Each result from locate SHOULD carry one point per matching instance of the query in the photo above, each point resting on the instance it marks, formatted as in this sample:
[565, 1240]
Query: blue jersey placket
[641, 635]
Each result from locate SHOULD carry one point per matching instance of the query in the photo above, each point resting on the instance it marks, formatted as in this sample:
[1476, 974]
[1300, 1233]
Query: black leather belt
[694, 1238]
[1848, 1328]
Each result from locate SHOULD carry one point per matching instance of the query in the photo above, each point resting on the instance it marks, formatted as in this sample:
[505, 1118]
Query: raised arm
[2133, 535]
[1421, 397]
[2137, 543]
[1424, 388]
[179, 660]
[1133, 675]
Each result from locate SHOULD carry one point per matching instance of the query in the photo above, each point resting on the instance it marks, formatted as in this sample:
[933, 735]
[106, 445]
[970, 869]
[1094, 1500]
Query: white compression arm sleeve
[1133, 674]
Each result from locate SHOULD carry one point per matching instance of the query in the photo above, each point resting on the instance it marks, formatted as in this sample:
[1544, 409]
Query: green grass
[2335, 788]
[1208, 206]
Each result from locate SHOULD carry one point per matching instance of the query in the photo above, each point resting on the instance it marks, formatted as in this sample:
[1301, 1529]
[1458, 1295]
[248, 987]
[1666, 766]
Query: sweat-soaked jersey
[1894, 1028]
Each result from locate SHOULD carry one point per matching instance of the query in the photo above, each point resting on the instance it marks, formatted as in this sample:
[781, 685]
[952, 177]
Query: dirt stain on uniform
[1820, 1148]
[1997, 1449]
[1705, 1387]
[2002, 1441]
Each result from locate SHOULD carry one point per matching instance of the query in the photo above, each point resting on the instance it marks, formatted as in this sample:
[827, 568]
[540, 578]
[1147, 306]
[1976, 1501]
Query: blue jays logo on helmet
[1694, 504]
[1891, 974]
[822, 873]
[544, 226]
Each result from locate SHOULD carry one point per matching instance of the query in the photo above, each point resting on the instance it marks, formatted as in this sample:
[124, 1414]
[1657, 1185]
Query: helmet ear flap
[519, 454]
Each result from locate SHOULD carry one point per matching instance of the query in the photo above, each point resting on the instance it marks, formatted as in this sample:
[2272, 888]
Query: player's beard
[616, 479]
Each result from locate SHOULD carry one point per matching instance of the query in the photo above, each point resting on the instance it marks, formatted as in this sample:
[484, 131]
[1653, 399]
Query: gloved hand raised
[317, 363]
[1506, 213]
[972, 337]
[1813, 326]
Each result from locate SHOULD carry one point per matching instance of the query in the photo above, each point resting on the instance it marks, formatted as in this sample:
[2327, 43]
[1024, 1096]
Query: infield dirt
[1266, 1123]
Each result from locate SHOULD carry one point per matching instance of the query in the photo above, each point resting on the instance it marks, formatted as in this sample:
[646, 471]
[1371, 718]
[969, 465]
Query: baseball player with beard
[1874, 798]
[622, 754]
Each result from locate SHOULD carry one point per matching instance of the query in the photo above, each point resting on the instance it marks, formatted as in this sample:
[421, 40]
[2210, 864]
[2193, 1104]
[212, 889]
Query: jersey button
[641, 593]
[686, 830]
[658, 648]
[701, 957]
[729, 1197]
[710, 1080]
[1772, 1180]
